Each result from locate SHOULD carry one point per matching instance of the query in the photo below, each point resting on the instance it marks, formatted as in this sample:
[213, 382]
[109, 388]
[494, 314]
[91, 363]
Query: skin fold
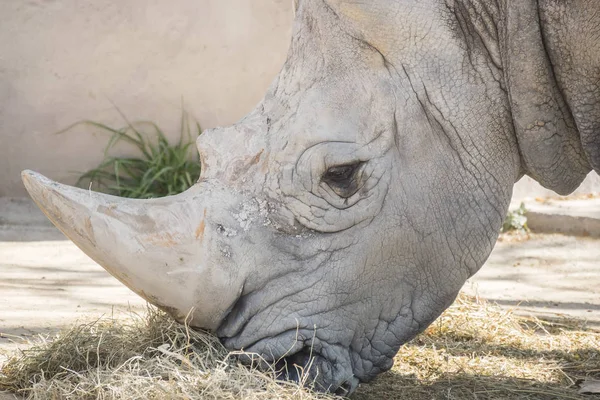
[344, 214]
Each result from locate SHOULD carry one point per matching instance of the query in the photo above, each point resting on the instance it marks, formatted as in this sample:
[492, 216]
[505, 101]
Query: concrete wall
[66, 60]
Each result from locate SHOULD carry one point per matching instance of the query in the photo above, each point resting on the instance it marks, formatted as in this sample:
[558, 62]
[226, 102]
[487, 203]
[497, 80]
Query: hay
[474, 351]
[149, 357]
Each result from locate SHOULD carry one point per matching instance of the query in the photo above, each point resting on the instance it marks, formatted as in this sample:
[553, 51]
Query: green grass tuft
[516, 220]
[161, 169]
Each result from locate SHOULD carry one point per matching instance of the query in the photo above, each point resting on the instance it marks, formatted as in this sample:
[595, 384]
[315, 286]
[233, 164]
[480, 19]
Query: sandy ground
[548, 276]
[48, 284]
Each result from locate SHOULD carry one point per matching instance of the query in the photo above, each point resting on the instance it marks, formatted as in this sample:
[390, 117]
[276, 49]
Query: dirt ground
[547, 275]
[47, 284]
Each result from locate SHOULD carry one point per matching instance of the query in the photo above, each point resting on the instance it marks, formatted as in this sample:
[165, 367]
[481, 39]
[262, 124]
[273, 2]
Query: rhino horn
[155, 247]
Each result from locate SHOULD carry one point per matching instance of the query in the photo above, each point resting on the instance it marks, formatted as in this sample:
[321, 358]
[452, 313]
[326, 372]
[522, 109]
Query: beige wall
[66, 60]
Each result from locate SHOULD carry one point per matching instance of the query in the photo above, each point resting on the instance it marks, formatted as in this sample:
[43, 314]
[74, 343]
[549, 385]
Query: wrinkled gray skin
[439, 107]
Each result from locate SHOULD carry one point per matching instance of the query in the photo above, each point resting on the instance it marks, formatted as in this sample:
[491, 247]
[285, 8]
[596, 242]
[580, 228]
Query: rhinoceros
[339, 218]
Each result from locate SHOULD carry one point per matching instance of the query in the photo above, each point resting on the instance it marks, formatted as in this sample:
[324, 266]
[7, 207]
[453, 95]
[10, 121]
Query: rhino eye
[341, 179]
[340, 173]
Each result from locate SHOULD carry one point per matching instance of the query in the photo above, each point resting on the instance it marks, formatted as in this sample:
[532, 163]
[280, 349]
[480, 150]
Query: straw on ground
[474, 351]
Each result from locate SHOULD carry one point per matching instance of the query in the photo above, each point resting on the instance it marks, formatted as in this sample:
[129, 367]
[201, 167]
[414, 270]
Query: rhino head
[343, 215]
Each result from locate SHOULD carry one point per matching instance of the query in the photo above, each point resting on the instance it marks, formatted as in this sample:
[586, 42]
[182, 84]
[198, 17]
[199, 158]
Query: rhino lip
[305, 367]
[296, 367]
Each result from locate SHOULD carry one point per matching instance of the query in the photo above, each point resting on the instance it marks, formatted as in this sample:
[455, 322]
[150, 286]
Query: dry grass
[479, 351]
[474, 351]
[149, 357]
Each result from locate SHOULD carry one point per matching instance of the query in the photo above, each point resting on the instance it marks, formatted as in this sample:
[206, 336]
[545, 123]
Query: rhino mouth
[295, 355]
[305, 367]
[308, 368]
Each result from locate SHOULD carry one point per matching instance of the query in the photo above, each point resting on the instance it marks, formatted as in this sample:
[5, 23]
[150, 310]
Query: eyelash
[341, 173]
[341, 179]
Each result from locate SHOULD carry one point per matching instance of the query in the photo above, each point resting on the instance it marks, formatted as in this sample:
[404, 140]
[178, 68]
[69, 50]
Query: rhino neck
[547, 133]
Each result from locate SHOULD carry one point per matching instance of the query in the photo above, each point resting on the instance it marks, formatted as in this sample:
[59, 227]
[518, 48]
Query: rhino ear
[296, 3]
[551, 150]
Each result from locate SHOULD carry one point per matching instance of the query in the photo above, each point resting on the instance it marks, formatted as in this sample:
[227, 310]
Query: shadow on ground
[479, 351]
[395, 386]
